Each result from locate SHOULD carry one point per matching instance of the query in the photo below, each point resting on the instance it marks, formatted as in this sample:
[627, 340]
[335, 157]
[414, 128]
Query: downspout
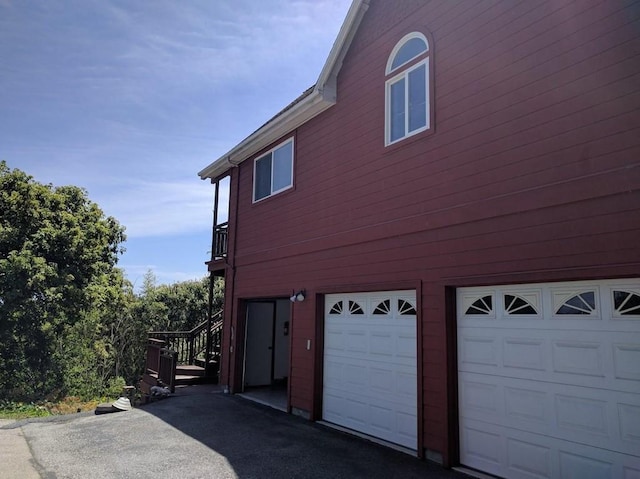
[234, 180]
[216, 197]
[209, 315]
[231, 163]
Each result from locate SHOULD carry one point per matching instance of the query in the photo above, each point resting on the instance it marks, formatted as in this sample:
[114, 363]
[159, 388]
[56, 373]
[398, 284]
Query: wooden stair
[190, 374]
[185, 357]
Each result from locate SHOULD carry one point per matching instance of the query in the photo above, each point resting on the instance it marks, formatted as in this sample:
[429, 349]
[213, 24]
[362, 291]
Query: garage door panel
[334, 405]
[629, 415]
[370, 361]
[382, 421]
[358, 372]
[357, 412]
[355, 375]
[631, 473]
[525, 455]
[344, 360]
[406, 346]
[393, 426]
[398, 357]
[477, 352]
[609, 360]
[478, 446]
[524, 353]
[391, 382]
[527, 404]
[583, 358]
[382, 401]
[334, 339]
[381, 344]
[579, 416]
[407, 428]
[356, 341]
[345, 410]
[528, 458]
[551, 396]
[578, 326]
[406, 384]
[583, 466]
[626, 360]
[480, 397]
[572, 413]
[332, 373]
[382, 379]
[377, 417]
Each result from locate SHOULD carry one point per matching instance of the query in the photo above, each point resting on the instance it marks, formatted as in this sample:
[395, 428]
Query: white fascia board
[297, 115]
[322, 97]
[329, 74]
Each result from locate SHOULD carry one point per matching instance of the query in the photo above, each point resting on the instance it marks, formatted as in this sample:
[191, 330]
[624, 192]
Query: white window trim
[387, 123]
[399, 45]
[255, 162]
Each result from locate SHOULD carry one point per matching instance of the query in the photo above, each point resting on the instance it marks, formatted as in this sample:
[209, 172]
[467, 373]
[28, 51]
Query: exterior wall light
[299, 296]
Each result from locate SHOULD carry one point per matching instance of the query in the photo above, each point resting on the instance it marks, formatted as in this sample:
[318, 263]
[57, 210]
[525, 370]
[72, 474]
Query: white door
[549, 379]
[370, 368]
[258, 352]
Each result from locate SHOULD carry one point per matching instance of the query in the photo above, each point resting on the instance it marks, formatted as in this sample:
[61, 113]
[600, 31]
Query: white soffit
[322, 96]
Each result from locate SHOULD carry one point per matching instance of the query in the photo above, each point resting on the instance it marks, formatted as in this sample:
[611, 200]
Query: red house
[438, 245]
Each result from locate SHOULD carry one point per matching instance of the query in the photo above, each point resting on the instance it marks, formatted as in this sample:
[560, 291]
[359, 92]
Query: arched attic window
[407, 88]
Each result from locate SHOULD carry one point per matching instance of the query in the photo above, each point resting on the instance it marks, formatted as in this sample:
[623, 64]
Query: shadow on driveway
[260, 442]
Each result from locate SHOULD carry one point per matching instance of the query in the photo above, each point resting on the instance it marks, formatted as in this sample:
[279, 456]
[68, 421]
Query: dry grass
[72, 405]
[69, 405]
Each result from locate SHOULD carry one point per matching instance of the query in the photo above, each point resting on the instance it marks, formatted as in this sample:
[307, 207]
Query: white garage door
[549, 379]
[370, 380]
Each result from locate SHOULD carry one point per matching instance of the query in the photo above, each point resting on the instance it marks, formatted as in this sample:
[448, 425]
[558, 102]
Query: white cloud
[219, 42]
[152, 208]
[131, 99]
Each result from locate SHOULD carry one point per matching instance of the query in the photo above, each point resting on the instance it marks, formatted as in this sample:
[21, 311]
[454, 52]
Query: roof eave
[299, 114]
[323, 96]
[329, 74]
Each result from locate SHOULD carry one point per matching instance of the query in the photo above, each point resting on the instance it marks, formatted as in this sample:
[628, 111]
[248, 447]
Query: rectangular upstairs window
[273, 171]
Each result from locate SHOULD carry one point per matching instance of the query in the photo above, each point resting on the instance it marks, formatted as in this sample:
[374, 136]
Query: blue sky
[130, 99]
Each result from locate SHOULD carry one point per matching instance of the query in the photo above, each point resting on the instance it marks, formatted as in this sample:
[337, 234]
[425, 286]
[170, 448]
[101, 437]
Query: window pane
[282, 166]
[408, 52]
[262, 180]
[417, 98]
[396, 110]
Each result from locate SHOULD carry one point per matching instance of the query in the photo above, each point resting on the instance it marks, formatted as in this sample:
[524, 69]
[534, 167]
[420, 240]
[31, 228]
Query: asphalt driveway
[199, 433]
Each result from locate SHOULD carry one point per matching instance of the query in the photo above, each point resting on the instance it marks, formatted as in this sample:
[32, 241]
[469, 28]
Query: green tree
[58, 251]
[179, 306]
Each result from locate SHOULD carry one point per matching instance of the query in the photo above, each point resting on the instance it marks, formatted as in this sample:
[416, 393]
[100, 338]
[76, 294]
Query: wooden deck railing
[192, 345]
[161, 362]
[220, 240]
[167, 369]
[154, 346]
[168, 349]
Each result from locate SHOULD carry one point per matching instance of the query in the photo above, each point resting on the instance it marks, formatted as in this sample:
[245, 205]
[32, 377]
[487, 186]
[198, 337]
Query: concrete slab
[15, 456]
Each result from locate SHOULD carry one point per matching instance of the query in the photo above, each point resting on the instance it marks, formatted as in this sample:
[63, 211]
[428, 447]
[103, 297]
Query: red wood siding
[532, 173]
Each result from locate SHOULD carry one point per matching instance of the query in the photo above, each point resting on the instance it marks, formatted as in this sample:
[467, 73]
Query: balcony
[220, 241]
[219, 249]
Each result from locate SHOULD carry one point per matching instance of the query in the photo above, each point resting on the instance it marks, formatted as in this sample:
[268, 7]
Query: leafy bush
[19, 410]
[115, 387]
[70, 323]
